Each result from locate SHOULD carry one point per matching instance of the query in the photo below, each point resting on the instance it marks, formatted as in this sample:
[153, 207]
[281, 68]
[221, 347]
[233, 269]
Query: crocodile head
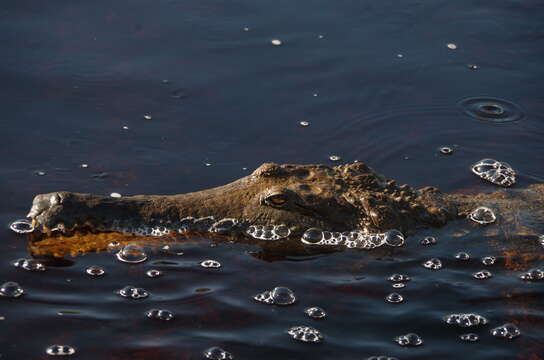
[273, 202]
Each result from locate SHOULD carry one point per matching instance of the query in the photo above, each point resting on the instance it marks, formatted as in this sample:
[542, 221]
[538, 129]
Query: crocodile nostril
[55, 199]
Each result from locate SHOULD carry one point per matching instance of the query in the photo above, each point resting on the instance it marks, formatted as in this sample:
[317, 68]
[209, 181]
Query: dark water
[74, 73]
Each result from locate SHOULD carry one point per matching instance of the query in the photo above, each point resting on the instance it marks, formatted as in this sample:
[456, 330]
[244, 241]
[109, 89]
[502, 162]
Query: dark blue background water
[74, 73]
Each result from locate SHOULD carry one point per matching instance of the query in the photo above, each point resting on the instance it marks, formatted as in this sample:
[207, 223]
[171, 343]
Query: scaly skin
[341, 198]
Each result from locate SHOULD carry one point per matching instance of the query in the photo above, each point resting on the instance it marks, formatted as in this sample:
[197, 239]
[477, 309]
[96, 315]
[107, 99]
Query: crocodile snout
[46, 208]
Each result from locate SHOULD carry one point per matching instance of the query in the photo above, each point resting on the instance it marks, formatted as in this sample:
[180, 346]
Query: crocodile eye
[277, 200]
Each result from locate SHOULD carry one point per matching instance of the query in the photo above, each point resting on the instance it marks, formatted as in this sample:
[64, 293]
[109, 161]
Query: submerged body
[283, 201]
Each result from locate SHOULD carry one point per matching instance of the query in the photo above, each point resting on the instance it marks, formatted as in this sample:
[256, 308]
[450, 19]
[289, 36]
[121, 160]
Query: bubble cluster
[153, 273]
[482, 275]
[482, 215]
[399, 278]
[334, 158]
[394, 298]
[506, 331]
[29, 264]
[315, 312]
[22, 226]
[433, 264]
[210, 264]
[191, 224]
[217, 353]
[489, 260]
[462, 256]
[60, 350]
[410, 339]
[541, 240]
[465, 320]
[381, 357]
[470, 337]
[496, 172]
[131, 292]
[11, 289]
[159, 314]
[428, 240]
[132, 254]
[95, 270]
[268, 232]
[536, 274]
[353, 239]
[305, 334]
[280, 295]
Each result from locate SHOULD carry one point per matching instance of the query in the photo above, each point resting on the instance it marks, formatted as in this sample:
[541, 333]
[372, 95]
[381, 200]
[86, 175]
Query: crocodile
[334, 205]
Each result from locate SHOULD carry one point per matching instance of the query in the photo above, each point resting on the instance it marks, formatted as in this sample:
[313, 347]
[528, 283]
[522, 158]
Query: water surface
[377, 83]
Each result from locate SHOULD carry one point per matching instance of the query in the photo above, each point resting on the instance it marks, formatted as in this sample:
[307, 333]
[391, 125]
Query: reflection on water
[169, 96]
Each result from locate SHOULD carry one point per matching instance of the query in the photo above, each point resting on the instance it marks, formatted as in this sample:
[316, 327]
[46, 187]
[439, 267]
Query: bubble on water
[131, 292]
[452, 46]
[489, 260]
[153, 273]
[381, 357]
[304, 123]
[506, 331]
[536, 274]
[334, 158]
[60, 350]
[95, 270]
[472, 66]
[470, 337]
[394, 298]
[445, 150]
[482, 215]
[22, 226]
[394, 238]
[428, 240]
[29, 264]
[305, 334]
[172, 249]
[217, 353]
[399, 278]
[147, 116]
[491, 109]
[462, 256]
[398, 285]
[433, 264]
[315, 312]
[283, 296]
[496, 172]
[115, 195]
[280, 295]
[465, 320]
[159, 314]
[132, 254]
[210, 264]
[410, 339]
[482, 275]
[276, 42]
[11, 289]
[312, 236]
